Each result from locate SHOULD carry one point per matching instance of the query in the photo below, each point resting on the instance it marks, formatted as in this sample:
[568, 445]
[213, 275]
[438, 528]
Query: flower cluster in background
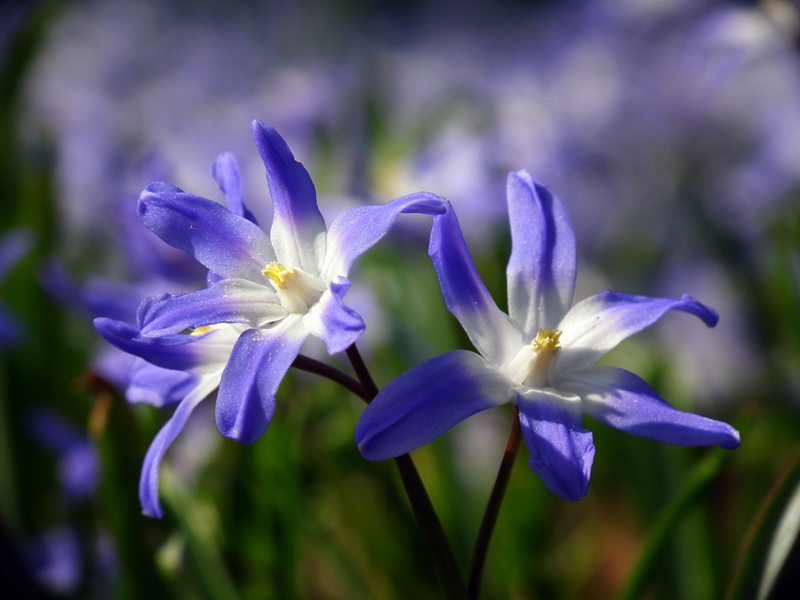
[671, 132]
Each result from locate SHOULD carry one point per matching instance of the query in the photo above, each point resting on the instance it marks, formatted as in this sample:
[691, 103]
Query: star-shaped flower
[540, 356]
[281, 287]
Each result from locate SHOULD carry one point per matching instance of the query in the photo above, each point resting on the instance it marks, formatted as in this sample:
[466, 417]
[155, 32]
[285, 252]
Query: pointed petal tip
[569, 484]
[705, 313]
[734, 442]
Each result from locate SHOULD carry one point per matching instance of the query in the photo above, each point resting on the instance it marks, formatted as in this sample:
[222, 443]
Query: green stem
[493, 507]
[699, 479]
[444, 559]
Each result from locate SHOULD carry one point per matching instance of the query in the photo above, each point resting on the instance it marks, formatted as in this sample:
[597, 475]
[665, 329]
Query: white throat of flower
[297, 290]
[531, 364]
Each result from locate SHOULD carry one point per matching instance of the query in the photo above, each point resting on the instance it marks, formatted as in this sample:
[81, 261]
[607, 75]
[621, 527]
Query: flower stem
[493, 507]
[442, 553]
[362, 372]
[304, 363]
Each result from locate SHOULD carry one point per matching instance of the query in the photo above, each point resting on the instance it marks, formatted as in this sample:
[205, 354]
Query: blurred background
[669, 128]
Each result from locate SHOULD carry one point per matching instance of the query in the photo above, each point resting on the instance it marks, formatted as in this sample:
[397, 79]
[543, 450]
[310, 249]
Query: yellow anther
[546, 339]
[277, 273]
[202, 330]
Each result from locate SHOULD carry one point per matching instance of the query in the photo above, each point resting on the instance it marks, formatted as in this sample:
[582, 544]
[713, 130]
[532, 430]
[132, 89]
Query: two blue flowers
[267, 293]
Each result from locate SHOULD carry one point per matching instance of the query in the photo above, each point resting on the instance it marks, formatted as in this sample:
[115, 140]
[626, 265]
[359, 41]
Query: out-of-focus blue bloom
[540, 356]
[55, 560]
[266, 294]
[78, 461]
[13, 247]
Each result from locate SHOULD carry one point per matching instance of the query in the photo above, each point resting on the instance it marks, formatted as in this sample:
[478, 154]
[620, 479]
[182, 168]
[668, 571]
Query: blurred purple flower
[13, 247]
[55, 560]
[539, 357]
[78, 465]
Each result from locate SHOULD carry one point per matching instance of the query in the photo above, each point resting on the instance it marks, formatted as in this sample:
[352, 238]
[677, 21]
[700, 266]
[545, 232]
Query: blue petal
[562, 451]
[224, 242]
[148, 482]
[169, 352]
[541, 270]
[158, 387]
[114, 366]
[260, 359]
[229, 301]
[332, 322]
[427, 401]
[467, 298]
[226, 173]
[624, 401]
[356, 230]
[597, 324]
[298, 229]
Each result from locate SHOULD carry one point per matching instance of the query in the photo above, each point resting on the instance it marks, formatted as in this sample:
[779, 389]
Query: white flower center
[297, 290]
[530, 365]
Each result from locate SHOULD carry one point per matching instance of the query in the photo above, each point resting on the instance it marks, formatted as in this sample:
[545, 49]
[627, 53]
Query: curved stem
[362, 372]
[443, 557]
[493, 507]
[310, 365]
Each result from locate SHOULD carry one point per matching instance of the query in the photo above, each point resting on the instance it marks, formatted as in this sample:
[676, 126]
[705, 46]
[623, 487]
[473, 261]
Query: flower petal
[428, 400]
[148, 482]
[332, 322]
[597, 324]
[624, 401]
[228, 301]
[489, 329]
[226, 173]
[224, 242]
[562, 451]
[260, 359]
[169, 352]
[541, 270]
[356, 230]
[158, 387]
[298, 229]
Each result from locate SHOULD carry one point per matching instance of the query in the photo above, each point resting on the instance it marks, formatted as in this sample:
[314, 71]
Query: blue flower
[266, 294]
[540, 356]
[181, 369]
[13, 247]
[282, 286]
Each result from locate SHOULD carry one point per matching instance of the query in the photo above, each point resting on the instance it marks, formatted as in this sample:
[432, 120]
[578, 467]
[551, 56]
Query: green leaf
[699, 479]
[770, 538]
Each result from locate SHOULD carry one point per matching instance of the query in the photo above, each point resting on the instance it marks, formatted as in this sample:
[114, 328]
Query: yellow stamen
[277, 273]
[546, 339]
[202, 330]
